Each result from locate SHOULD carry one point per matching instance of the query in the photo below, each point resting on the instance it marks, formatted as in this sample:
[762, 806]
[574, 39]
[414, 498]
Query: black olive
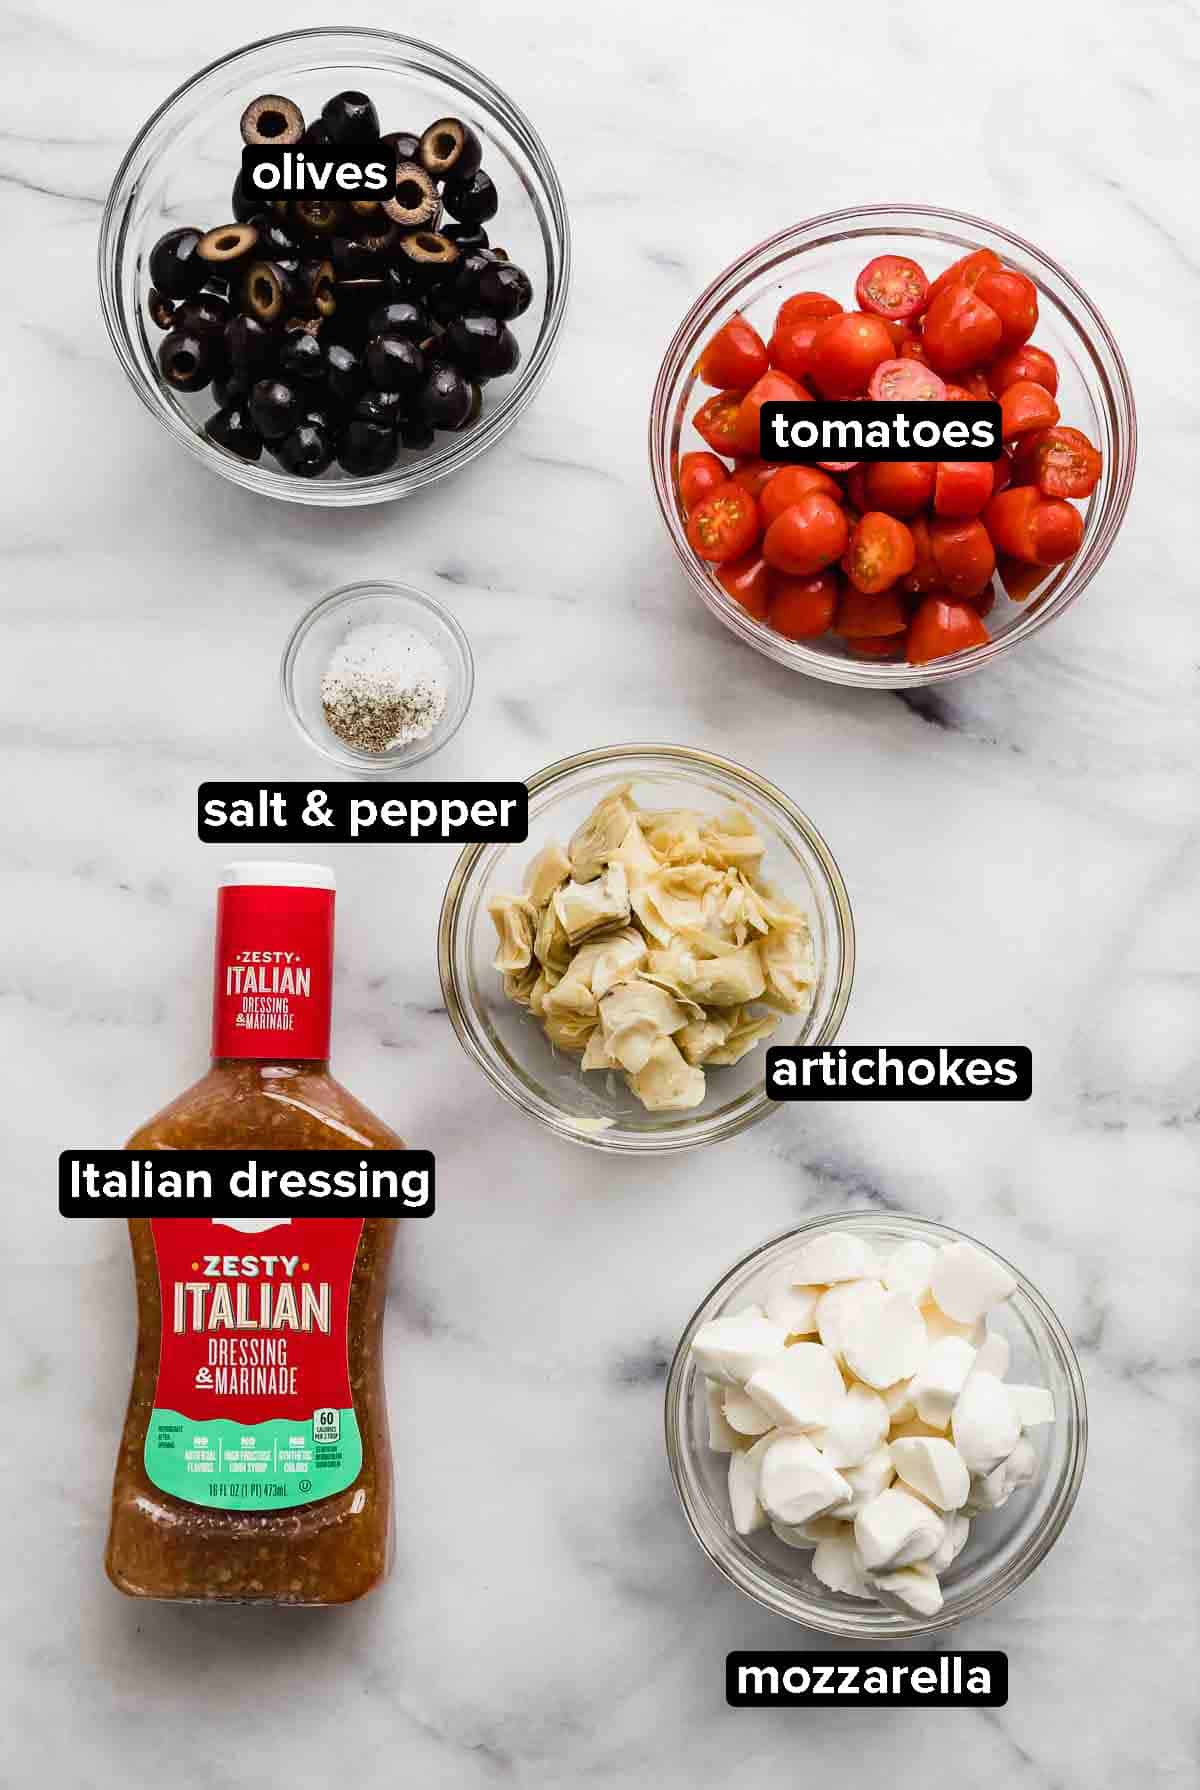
[356, 300]
[500, 254]
[505, 290]
[473, 199]
[160, 308]
[204, 315]
[272, 119]
[250, 348]
[365, 447]
[431, 257]
[445, 400]
[464, 287]
[394, 363]
[415, 432]
[450, 150]
[316, 217]
[228, 247]
[230, 427]
[483, 345]
[320, 413]
[398, 280]
[243, 205]
[188, 358]
[408, 146]
[275, 241]
[270, 290]
[275, 408]
[364, 213]
[306, 452]
[350, 117]
[175, 269]
[231, 388]
[472, 415]
[386, 408]
[316, 133]
[317, 282]
[301, 356]
[399, 317]
[343, 373]
[468, 236]
[415, 204]
[220, 288]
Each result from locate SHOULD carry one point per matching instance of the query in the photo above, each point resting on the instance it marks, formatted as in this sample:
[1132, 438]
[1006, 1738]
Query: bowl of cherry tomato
[901, 572]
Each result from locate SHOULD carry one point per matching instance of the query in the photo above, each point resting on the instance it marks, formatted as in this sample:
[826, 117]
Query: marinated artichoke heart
[643, 947]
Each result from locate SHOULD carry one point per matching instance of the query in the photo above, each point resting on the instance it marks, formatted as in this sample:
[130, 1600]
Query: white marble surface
[1026, 870]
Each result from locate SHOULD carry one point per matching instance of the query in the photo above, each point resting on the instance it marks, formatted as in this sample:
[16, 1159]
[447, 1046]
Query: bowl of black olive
[321, 347]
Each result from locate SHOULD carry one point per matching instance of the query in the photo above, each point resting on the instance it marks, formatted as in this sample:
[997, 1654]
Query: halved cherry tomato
[1057, 531]
[960, 330]
[808, 536]
[1043, 531]
[1024, 363]
[1002, 473]
[869, 614]
[747, 582]
[724, 525]
[698, 475]
[772, 388]
[846, 351]
[755, 475]
[1063, 462]
[789, 485]
[735, 357]
[877, 646]
[1019, 578]
[940, 628]
[901, 487]
[892, 286]
[802, 305]
[716, 422]
[1014, 300]
[985, 602]
[963, 555]
[881, 550]
[905, 381]
[856, 491]
[790, 344]
[924, 576]
[974, 383]
[962, 487]
[966, 271]
[802, 608]
[1025, 407]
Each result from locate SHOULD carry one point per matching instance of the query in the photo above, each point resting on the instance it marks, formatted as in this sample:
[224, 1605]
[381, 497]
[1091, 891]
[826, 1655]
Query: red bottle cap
[273, 978]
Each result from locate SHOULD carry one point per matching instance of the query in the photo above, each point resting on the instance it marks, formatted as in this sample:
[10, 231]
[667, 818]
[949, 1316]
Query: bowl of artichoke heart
[618, 975]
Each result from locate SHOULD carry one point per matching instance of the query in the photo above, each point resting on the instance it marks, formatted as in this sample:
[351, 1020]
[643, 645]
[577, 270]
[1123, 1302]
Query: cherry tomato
[1014, 300]
[716, 422]
[746, 580]
[789, 485]
[755, 475]
[1024, 363]
[966, 271]
[846, 351]
[963, 555]
[790, 344]
[808, 536]
[940, 628]
[856, 492]
[724, 525]
[1025, 407]
[975, 385]
[1025, 525]
[901, 487]
[881, 550]
[772, 388]
[1063, 462]
[878, 646]
[869, 614]
[1019, 578]
[698, 475]
[960, 330]
[1057, 531]
[1002, 472]
[924, 576]
[901, 333]
[985, 602]
[905, 380]
[913, 348]
[962, 487]
[735, 357]
[802, 608]
[806, 305]
[892, 286]
[958, 394]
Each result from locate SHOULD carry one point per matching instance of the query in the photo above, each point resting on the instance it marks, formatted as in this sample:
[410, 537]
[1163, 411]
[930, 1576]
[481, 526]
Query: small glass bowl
[180, 170]
[326, 625]
[827, 254]
[1004, 1545]
[508, 1043]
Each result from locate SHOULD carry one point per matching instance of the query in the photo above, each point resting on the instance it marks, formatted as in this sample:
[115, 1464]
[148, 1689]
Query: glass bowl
[327, 624]
[180, 170]
[827, 254]
[508, 1043]
[1004, 1545]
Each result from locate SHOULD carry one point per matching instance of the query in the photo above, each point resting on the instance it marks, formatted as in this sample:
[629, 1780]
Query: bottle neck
[273, 975]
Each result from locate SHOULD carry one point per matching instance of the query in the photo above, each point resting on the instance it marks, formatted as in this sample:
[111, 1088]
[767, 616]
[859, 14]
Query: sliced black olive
[344, 374]
[408, 145]
[473, 199]
[366, 447]
[272, 119]
[365, 212]
[301, 356]
[160, 308]
[505, 290]
[316, 133]
[230, 427]
[221, 289]
[175, 269]
[206, 315]
[431, 256]
[275, 408]
[317, 282]
[464, 287]
[316, 217]
[269, 291]
[450, 149]
[250, 348]
[356, 300]
[306, 451]
[501, 254]
[399, 317]
[415, 432]
[230, 388]
[415, 204]
[188, 358]
[243, 205]
[350, 117]
[484, 346]
[445, 399]
[275, 241]
[229, 246]
[385, 408]
[472, 415]
[468, 236]
[394, 364]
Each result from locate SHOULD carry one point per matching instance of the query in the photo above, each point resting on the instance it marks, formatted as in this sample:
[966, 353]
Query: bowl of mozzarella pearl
[876, 1426]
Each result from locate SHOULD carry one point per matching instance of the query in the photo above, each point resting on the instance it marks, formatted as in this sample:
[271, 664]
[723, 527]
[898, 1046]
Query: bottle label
[252, 1405]
[273, 981]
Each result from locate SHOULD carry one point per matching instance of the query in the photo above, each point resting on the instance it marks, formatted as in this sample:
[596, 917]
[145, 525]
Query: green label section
[275, 1465]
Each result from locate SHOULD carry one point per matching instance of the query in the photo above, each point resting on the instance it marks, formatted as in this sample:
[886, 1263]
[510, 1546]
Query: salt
[384, 687]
